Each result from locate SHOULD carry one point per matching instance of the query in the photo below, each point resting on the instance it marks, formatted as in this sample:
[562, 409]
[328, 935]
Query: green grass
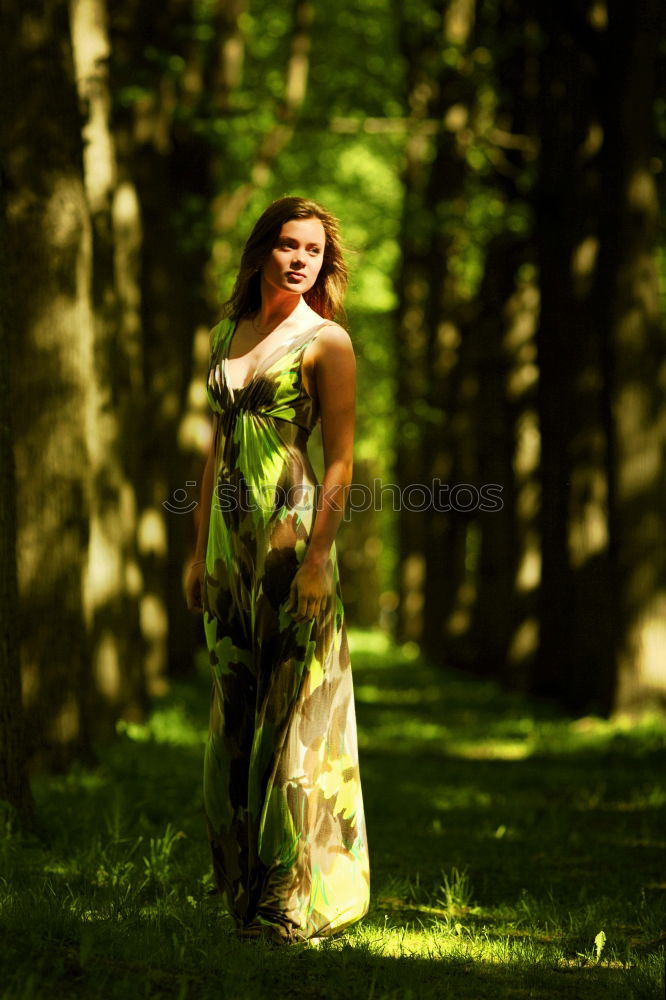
[515, 853]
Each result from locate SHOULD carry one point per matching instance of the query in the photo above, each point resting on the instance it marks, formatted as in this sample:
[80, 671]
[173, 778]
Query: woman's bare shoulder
[331, 339]
[330, 354]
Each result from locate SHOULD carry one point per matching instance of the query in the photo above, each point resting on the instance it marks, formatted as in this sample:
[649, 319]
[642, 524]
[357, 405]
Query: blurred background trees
[497, 167]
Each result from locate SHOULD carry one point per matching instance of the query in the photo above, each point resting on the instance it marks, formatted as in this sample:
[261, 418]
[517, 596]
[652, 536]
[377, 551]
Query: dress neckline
[267, 362]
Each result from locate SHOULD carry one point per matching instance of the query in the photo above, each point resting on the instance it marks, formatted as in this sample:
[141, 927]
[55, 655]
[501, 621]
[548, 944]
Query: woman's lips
[295, 274]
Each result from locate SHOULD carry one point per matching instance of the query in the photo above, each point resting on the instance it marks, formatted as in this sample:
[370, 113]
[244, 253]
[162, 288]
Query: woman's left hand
[310, 591]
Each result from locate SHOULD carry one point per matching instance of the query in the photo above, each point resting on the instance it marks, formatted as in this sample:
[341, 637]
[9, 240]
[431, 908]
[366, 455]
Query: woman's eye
[286, 245]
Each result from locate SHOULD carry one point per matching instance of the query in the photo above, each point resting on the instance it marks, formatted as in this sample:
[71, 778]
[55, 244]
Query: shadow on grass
[326, 974]
[504, 840]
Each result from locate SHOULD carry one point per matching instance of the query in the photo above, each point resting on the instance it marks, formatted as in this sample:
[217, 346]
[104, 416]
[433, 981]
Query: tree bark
[577, 615]
[505, 622]
[634, 349]
[14, 781]
[163, 165]
[113, 577]
[435, 450]
[49, 263]
[415, 328]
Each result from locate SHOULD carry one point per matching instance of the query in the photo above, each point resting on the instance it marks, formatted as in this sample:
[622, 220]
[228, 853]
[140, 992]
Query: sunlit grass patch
[168, 723]
[515, 852]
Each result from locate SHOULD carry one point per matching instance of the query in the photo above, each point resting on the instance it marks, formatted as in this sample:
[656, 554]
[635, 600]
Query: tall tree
[503, 627]
[49, 265]
[435, 445]
[113, 577]
[577, 622]
[14, 782]
[417, 325]
[167, 77]
[633, 352]
[453, 383]
[600, 519]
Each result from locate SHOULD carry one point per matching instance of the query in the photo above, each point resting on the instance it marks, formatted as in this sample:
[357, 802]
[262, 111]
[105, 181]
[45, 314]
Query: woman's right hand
[194, 585]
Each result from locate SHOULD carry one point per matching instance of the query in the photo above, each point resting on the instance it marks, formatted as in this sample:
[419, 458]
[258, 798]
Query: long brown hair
[326, 295]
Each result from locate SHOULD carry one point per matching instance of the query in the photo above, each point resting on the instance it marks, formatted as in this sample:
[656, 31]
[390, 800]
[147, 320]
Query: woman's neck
[276, 309]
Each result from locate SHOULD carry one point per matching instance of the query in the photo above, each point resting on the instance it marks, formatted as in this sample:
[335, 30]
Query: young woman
[282, 791]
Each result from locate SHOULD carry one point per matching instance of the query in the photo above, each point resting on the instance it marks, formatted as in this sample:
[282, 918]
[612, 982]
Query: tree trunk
[415, 329]
[49, 259]
[453, 382]
[14, 783]
[634, 349]
[163, 166]
[504, 621]
[507, 571]
[435, 451]
[577, 614]
[113, 578]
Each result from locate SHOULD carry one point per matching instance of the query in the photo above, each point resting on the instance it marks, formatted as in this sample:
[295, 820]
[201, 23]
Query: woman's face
[295, 260]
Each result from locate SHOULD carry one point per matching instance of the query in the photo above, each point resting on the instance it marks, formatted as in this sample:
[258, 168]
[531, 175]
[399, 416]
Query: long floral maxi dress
[282, 791]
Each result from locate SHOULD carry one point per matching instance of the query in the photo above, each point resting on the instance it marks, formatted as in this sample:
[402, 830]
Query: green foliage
[456, 891]
[599, 944]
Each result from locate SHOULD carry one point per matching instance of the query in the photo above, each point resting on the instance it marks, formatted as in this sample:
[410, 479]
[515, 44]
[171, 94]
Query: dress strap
[311, 335]
[218, 336]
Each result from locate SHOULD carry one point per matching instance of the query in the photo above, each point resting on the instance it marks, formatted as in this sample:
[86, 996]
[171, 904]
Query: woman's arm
[205, 497]
[334, 368]
[195, 575]
[208, 478]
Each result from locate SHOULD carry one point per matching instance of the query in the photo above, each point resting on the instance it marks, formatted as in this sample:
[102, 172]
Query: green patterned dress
[282, 791]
